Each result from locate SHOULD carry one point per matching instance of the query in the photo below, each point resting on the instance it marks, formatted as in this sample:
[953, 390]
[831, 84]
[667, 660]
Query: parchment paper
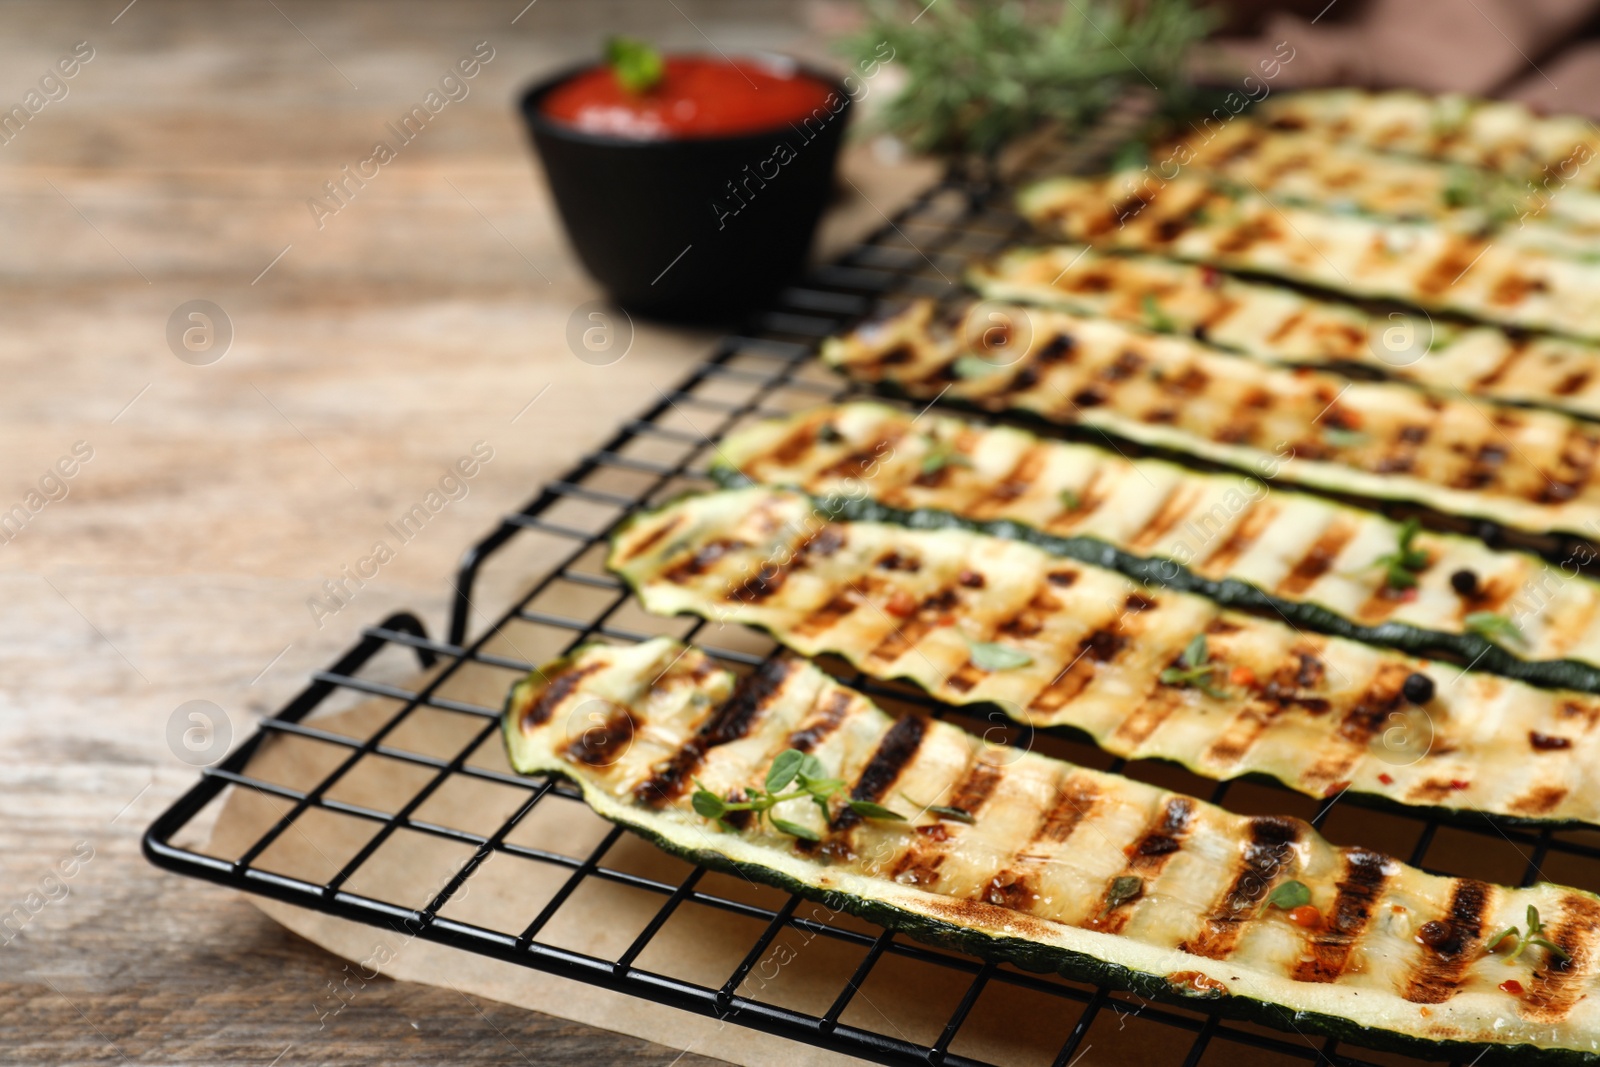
[698, 943]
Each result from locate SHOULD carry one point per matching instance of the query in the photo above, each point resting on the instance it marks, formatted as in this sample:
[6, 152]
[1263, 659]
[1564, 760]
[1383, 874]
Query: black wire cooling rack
[766, 369]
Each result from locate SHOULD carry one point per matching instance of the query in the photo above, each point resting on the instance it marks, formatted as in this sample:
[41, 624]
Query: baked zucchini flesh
[1525, 469]
[1496, 134]
[1312, 169]
[1284, 325]
[1321, 565]
[1418, 263]
[1146, 672]
[1022, 859]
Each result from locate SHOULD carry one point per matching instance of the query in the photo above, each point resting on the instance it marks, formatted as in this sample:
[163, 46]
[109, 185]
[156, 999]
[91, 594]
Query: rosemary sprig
[1534, 936]
[810, 779]
[944, 811]
[1195, 669]
[1402, 566]
[979, 73]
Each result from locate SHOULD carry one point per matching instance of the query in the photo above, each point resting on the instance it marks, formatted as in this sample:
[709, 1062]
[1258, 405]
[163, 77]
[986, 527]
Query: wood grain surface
[176, 563]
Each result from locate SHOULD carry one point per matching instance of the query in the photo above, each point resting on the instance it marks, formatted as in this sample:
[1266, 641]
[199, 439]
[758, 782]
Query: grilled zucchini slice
[1496, 134]
[1525, 469]
[1053, 642]
[1419, 263]
[1061, 868]
[1282, 325]
[1320, 565]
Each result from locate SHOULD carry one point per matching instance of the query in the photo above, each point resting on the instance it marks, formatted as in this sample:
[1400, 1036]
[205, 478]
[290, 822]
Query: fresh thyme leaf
[1343, 438]
[942, 454]
[970, 366]
[1193, 670]
[1156, 318]
[707, 804]
[1289, 895]
[1495, 627]
[1069, 499]
[1127, 887]
[811, 768]
[784, 768]
[944, 811]
[805, 833]
[875, 811]
[638, 66]
[1534, 936]
[1403, 564]
[979, 73]
[993, 656]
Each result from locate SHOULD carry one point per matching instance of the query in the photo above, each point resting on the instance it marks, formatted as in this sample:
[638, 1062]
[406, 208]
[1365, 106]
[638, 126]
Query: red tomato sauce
[696, 97]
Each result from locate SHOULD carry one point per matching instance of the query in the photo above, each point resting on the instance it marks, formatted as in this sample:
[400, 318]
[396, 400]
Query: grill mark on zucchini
[1365, 874]
[1447, 953]
[1319, 558]
[1557, 985]
[896, 749]
[539, 711]
[823, 725]
[730, 722]
[1148, 856]
[1263, 861]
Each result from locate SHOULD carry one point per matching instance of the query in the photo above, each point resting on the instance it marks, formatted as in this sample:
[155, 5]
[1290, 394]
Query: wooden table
[176, 563]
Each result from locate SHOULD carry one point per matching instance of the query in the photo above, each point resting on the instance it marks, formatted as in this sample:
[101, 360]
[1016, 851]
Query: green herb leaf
[1496, 628]
[993, 656]
[638, 66]
[1344, 438]
[943, 811]
[1156, 318]
[1069, 499]
[978, 74]
[1289, 895]
[707, 804]
[783, 769]
[970, 366]
[1403, 564]
[942, 454]
[1195, 653]
[1534, 936]
[1194, 669]
[875, 811]
[811, 768]
[1123, 889]
[805, 833]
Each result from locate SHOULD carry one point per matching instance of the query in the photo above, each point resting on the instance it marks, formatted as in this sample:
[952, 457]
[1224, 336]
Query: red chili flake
[1407, 595]
[1512, 986]
[901, 603]
[1243, 676]
[1211, 277]
[1306, 915]
[947, 620]
[1335, 788]
[1460, 783]
[1386, 779]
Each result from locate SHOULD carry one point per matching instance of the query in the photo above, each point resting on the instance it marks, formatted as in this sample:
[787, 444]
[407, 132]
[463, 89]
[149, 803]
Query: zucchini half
[1316, 563]
[1058, 643]
[1282, 325]
[1525, 469]
[1419, 263]
[1058, 868]
[1496, 134]
[1315, 170]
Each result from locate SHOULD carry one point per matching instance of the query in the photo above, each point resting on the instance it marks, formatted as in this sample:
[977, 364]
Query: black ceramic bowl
[691, 228]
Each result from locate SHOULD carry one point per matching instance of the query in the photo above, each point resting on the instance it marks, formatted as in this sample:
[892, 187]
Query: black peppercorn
[1418, 688]
[1465, 583]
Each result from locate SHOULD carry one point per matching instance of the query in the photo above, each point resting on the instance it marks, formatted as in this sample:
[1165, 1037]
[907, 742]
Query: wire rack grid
[766, 369]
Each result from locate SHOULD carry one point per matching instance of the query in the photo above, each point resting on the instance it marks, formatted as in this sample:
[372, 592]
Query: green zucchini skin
[733, 553]
[933, 915]
[1230, 592]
